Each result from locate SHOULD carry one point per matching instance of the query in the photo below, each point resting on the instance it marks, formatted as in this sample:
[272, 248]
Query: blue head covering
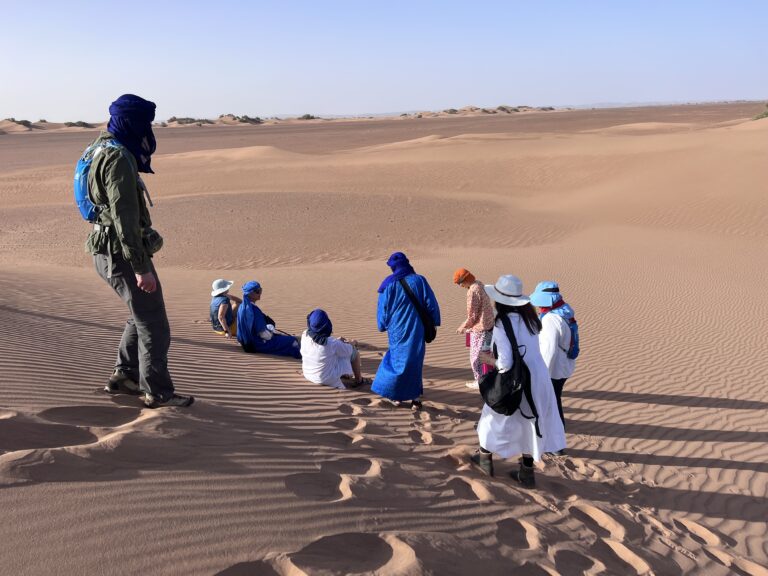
[248, 315]
[401, 268]
[546, 294]
[251, 286]
[131, 124]
[319, 326]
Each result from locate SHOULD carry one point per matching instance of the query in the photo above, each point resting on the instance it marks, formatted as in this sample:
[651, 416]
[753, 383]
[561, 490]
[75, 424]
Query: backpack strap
[526, 389]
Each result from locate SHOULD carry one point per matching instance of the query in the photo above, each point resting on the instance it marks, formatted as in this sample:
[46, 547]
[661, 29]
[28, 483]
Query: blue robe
[250, 322]
[399, 374]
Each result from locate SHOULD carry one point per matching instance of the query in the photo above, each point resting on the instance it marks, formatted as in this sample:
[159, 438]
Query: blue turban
[251, 286]
[401, 268]
[131, 124]
[319, 326]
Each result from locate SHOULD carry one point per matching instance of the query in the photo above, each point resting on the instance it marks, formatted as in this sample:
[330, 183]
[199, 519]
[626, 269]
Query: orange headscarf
[461, 275]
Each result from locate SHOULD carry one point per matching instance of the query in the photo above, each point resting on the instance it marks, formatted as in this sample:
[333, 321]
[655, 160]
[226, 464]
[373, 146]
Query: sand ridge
[654, 236]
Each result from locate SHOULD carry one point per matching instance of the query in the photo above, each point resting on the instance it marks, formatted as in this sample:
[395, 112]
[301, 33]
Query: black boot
[524, 475]
[484, 461]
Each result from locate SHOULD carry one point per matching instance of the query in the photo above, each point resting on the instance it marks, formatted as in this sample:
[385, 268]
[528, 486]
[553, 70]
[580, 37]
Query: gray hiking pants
[143, 351]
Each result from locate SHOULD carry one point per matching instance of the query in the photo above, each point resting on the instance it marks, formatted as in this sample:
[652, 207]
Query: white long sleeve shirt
[554, 341]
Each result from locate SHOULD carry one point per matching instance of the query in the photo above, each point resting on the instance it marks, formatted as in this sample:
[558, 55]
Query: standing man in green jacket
[122, 243]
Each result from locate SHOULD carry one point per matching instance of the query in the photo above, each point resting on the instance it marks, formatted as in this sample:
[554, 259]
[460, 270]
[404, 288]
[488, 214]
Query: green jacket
[113, 182]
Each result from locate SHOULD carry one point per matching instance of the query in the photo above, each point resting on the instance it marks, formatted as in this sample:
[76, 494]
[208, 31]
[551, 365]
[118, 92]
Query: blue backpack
[88, 210]
[566, 313]
[573, 349]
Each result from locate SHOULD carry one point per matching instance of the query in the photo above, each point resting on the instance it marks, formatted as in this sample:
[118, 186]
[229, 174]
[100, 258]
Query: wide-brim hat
[547, 293]
[507, 290]
[220, 286]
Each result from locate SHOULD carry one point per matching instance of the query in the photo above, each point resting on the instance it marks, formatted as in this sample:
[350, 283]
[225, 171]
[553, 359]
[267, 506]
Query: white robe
[326, 364]
[512, 435]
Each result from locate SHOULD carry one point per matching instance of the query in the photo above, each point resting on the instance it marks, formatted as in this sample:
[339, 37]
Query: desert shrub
[42, 121]
[249, 120]
[763, 114]
[451, 111]
[25, 123]
[78, 124]
[546, 108]
[507, 109]
[308, 117]
[187, 120]
[418, 116]
[488, 111]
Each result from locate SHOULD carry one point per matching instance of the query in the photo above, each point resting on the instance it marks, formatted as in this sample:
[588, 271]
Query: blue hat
[251, 286]
[546, 294]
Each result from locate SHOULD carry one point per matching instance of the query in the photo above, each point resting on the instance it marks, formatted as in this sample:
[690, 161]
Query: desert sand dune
[656, 235]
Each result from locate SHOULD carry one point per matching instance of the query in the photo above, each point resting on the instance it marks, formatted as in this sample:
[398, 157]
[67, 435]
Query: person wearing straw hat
[224, 308]
[509, 436]
[556, 336]
[479, 321]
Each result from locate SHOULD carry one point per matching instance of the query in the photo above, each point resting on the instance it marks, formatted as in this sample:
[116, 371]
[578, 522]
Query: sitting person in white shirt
[334, 362]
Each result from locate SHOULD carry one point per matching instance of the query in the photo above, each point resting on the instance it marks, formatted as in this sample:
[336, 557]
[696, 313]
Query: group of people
[403, 297]
[541, 330]
[123, 242]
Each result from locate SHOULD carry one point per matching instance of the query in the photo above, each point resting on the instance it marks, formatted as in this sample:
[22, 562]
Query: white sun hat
[507, 290]
[220, 286]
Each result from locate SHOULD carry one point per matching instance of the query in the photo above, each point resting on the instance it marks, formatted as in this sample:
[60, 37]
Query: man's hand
[460, 329]
[146, 282]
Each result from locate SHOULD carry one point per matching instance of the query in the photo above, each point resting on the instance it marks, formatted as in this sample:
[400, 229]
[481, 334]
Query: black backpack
[430, 331]
[503, 391]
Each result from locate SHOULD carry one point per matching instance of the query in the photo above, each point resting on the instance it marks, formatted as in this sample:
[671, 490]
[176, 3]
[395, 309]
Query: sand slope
[656, 236]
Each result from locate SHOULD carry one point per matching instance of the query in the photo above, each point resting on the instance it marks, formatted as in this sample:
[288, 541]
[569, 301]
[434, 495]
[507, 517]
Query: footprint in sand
[427, 438]
[317, 486]
[473, 490]
[256, 568]
[601, 523]
[332, 482]
[619, 559]
[25, 432]
[518, 534]
[95, 416]
[353, 466]
[572, 563]
[351, 410]
[701, 534]
[737, 565]
[363, 553]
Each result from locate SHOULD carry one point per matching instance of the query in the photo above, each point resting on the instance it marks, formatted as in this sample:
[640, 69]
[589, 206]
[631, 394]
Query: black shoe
[525, 475]
[417, 405]
[484, 461]
[151, 401]
[119, 383]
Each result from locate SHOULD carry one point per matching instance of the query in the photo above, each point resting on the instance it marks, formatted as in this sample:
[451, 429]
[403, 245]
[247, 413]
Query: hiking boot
[474, 385]
[484, 461]
[524, 475]
[151, 401]
[119, 383]
[417, 404]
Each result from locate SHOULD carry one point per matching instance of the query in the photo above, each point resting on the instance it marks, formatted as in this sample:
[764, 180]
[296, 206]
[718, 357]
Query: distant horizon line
[319, 115]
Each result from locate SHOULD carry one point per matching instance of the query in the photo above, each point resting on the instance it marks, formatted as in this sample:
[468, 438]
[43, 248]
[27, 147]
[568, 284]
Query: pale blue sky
[68, 59]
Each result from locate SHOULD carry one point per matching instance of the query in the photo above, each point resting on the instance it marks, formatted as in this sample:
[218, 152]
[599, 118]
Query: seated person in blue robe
[399, 375]
[256, 331]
